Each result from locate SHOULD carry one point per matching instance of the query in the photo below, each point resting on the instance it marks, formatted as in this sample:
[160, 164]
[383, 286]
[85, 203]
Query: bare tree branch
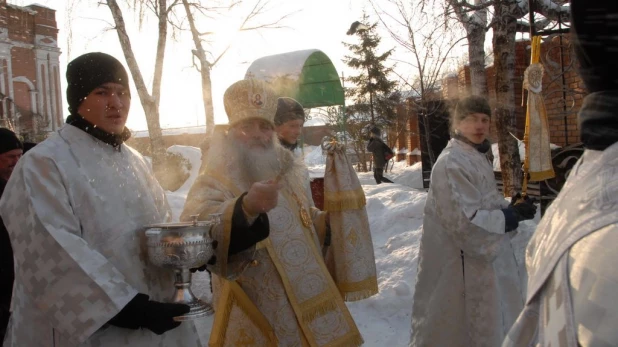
[463, 4]
[201, 52]
[524, 26]
[552, 10]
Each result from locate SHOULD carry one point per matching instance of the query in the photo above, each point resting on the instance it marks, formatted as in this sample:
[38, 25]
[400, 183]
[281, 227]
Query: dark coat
[6, 272]
[378, 148]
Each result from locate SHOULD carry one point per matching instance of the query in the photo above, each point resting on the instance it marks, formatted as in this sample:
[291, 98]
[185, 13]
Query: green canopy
[307, 76]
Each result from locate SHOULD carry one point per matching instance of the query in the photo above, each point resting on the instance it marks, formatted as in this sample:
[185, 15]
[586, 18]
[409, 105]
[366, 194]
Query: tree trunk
[474, 23]
[204, 69]
[428, 130]
[476, 55]
[150, 106]
[161, 43]
[359, 149]
[504, 62]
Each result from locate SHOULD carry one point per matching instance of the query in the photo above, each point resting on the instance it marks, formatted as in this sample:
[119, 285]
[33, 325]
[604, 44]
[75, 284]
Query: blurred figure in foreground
[11, 149]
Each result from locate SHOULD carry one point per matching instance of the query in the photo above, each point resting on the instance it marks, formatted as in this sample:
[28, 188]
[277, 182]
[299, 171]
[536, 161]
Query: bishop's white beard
[258, 163]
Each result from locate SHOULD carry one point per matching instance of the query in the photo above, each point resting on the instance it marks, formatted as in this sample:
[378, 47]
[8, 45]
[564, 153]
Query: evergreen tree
[372, 91]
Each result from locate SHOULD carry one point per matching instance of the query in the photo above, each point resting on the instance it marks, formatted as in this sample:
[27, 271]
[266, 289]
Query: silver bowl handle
[194, 218]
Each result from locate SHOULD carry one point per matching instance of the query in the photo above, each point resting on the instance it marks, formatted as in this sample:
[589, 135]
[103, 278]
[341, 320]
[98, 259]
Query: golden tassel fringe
[344, 200]
[541, 176]
[318, 309]
[357, 296]
[354, 291]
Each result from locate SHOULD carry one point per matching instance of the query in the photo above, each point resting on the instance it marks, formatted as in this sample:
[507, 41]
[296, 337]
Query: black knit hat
[594, 27]
[376, 131]
[472, 104]
[9, 141]
[89, 71]
[288, 109]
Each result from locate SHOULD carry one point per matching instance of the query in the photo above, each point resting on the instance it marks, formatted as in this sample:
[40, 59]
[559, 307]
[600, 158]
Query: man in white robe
[75, 208]
[572, 297]
[278, 293]
[468, 289]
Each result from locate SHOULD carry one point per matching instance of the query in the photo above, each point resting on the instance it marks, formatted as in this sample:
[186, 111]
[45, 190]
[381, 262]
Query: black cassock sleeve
[244, 235]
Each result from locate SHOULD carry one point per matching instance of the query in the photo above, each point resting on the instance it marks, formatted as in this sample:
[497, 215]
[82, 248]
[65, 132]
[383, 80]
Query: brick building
[31, 101]
[563, 93]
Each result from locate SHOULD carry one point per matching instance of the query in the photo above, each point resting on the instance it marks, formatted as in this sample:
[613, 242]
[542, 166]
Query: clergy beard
[258, 163]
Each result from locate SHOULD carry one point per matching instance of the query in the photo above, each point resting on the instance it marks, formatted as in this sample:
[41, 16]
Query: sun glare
[227, 34]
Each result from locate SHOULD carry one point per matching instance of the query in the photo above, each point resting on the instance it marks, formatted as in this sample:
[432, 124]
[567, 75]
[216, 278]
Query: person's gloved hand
[525, 210]
[524, 207]
[155, 316]
[511, 221]
[517, 199]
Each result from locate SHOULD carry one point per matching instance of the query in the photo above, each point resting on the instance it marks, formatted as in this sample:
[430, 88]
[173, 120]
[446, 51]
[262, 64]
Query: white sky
[313, 24]
[319, 24]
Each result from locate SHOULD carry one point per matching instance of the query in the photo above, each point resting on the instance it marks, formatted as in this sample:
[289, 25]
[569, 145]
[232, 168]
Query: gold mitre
[248, 99]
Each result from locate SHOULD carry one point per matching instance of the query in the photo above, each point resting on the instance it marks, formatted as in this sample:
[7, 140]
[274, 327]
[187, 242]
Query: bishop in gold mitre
[277, 292]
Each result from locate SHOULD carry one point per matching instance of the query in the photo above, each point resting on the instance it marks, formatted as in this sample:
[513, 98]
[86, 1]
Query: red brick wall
[21, 25]
[450, 87]
[464, 80]
[561, 133]
[45, 21]
[552, 90]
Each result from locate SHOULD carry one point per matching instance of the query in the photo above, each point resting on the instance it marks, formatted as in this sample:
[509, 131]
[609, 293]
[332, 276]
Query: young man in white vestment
[278, 293]
[468, 290]
[75, 208]
[572, 297]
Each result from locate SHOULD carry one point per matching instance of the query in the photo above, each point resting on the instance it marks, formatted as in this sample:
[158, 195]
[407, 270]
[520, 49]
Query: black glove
[515, 199]
[525, 210]
[511, 221]
[155, 316]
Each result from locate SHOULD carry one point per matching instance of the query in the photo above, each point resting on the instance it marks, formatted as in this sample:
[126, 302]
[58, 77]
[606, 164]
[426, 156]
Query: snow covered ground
[396, 216]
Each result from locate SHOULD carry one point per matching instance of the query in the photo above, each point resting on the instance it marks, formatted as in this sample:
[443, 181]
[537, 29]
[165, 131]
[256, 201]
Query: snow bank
[177, 199]
[395, 216]
[314, 156]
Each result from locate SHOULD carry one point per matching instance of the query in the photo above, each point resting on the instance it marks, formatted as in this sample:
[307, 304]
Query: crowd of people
[73, 210]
